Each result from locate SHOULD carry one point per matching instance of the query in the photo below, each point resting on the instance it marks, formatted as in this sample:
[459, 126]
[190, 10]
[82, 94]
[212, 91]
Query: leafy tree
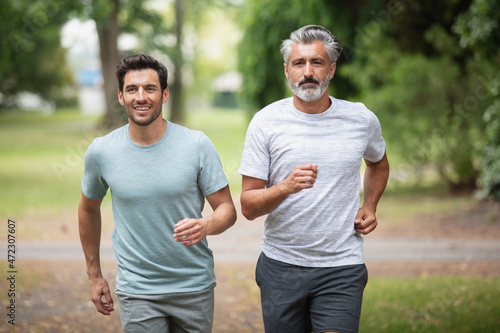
[479, 31]
[30, 50]
[420, 102]
[429, 91]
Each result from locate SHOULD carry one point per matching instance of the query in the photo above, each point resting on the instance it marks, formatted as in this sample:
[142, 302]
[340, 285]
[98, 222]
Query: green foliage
[431, 304]
[30, 51]
[420, 102]
[148, 25]
[479, 31]
[490, 177]
[479, 27]
[429, 93]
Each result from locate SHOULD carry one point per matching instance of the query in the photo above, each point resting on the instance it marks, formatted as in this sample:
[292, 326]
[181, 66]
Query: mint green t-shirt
[152, 188]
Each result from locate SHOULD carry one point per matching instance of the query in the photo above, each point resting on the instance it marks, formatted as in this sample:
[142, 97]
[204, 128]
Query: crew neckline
[163, 138]
[305, 115]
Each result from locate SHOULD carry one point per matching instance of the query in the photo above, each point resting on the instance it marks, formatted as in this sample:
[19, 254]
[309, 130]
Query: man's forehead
[315, 49]
[141, 76]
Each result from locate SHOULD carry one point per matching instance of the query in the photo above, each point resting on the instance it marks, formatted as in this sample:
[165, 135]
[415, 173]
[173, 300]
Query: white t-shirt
[314, 227]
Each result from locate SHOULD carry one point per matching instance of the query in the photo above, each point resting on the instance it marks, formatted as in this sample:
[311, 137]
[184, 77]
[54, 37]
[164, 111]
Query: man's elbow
[233, 217]
[230, 215]
[248, 213]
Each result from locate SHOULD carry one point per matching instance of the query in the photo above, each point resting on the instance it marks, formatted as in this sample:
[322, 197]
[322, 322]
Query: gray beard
[309, 94]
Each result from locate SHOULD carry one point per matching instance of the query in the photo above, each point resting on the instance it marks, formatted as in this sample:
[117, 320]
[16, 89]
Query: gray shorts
[299, 299]
[177, 312]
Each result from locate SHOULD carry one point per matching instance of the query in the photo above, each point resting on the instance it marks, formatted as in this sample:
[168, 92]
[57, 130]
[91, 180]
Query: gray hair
[310, 34]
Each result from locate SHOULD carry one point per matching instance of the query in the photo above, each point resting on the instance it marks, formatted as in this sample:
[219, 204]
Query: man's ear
[286, 70]
[332, 69]
[166, 93]
[120, 97]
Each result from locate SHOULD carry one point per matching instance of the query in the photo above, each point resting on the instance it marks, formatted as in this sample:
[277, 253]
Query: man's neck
[315, 107]
[147, 135]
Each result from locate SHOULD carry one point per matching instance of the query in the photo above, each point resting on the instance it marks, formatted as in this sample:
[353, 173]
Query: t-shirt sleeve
[255, 159]
[375, 148]
[93, 185]
[211, 177]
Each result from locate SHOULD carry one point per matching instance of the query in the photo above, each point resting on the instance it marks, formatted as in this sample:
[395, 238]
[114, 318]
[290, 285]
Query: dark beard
[145, 122]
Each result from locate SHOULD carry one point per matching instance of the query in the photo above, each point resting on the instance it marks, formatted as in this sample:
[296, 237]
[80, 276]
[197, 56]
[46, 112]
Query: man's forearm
[89, 224]
[259, 202]
[223, 217]
[375, 181]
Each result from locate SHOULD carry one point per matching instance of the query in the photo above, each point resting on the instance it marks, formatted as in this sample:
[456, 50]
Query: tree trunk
[177, 114]
[107, 30]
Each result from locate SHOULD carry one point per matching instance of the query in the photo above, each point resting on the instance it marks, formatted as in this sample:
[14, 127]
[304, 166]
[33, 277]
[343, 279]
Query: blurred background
[429, 70]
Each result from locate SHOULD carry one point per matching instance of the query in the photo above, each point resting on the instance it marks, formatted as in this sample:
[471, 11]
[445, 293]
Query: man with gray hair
[301, 166]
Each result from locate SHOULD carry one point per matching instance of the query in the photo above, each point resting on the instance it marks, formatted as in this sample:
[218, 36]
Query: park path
[241, 243]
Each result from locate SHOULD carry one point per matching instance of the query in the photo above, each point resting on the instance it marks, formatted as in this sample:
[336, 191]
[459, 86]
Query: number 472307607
[11, 246]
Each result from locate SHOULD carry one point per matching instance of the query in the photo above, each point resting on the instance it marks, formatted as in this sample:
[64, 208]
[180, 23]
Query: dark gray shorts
[298, 299]
[191, 312]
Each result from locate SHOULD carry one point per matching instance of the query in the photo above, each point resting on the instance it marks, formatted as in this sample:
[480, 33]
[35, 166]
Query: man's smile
[142, 108]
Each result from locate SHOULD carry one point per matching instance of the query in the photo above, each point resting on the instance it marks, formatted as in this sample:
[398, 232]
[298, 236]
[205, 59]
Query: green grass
[41, 160]
[394, 206]
[432, 304]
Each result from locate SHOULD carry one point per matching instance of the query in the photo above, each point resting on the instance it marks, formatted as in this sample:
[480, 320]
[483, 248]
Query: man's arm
[256, 200]
[89, 224]
[375, 180]
[192, 231]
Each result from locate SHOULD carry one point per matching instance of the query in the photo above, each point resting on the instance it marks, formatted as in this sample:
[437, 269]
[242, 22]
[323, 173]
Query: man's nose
[141, 94]
[308, 70]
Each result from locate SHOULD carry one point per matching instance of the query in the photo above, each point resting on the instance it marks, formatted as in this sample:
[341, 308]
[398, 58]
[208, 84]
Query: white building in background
[90, 90]
[80, 38]
[226, 87]
[28, 101]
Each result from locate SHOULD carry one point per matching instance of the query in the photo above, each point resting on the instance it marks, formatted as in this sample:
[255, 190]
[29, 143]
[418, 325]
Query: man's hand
[302, 177]
[365, 221]
[101, 296]
[257, 200]
[375, 180]
[192, 231]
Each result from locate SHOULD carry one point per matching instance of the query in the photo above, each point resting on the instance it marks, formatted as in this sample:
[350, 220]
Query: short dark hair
[138, 62]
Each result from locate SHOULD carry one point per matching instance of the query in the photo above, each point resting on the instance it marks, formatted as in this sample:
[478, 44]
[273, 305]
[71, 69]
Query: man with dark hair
[159, 174]
[301, 166]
